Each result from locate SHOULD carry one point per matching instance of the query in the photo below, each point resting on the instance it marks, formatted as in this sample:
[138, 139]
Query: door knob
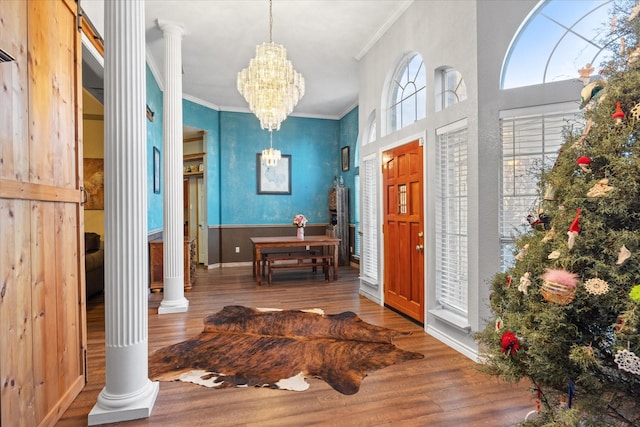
[419, 248]
[420, 234]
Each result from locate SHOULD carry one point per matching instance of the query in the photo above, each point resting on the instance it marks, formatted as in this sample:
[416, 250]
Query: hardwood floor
[443, 389]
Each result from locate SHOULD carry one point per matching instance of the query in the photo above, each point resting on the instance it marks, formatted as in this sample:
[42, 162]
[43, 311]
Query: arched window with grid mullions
[450, 88]
[408, 93]
[557, 41]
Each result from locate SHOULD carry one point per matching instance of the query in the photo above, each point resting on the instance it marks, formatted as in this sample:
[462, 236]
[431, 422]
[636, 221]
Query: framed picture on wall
[93, 170]
[274, 179]
[345, 158]
[156, 170]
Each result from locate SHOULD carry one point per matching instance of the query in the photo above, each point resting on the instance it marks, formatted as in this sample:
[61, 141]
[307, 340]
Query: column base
[138, 407]
[169, 306]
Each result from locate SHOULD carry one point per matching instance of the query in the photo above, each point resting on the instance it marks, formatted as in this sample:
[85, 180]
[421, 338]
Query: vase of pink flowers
[300, 221]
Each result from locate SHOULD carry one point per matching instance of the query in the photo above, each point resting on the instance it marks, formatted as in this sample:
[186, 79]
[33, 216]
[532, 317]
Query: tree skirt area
[241, 347]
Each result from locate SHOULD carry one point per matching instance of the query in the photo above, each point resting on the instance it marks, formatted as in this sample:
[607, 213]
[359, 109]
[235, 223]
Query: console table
[156, 255]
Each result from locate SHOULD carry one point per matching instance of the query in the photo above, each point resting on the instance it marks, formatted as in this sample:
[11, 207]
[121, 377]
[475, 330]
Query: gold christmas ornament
[554, 255]
[596, 286]
[550, 192]
[601, 189]
[523, 252]
[635, 111]
[550, 235]
[623, 255]
[525, 282]
[585, 73]
[559, 286]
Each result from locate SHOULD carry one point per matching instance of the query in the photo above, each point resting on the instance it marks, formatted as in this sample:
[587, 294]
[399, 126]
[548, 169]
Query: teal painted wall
[233, 140]
[312, 144]
[154, 139]
[349, 138]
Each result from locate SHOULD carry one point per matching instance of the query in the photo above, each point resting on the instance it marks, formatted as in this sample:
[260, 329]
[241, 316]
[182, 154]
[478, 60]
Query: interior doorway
[402, 174]
[195, 190]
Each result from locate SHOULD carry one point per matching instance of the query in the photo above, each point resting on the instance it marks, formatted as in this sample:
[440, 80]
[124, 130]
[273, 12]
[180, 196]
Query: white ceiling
[324, 41]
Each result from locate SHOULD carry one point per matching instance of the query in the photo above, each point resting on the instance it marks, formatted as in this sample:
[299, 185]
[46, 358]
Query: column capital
[170, 27]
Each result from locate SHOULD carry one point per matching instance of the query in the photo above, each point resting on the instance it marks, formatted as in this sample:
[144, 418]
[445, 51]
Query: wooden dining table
[328, 244]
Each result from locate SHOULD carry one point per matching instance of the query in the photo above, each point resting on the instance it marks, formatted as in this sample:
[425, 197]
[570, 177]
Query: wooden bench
[306, 260]
[265, 256]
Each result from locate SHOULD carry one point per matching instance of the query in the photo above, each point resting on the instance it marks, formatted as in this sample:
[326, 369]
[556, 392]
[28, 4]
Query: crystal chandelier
[270, 156]
[270, 84]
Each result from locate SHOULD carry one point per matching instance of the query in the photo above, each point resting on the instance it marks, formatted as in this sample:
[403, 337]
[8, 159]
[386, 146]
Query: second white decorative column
[173, 237]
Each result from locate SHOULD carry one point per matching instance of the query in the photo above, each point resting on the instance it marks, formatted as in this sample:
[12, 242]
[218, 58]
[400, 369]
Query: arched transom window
[557, 39]
[450, 88]
[408, 98]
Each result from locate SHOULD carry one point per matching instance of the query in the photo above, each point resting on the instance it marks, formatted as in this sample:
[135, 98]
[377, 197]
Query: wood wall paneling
[44, 310]
[16, 346]
[13, 113]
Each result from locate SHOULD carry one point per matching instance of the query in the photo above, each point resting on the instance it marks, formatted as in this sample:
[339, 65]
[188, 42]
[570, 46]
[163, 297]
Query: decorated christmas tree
[567, 313]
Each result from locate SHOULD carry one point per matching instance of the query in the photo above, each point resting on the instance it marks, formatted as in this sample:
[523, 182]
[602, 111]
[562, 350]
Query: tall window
[530, 144]
[369, 256]
[408, 93]
[369, 138]
[451, 88]
[357, 238]
[451, 219]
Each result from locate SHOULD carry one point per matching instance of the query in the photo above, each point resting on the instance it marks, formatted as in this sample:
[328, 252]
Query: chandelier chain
[270, 21]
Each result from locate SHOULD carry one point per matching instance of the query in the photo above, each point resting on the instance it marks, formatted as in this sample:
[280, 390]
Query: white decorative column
[173, 233]
[128, 393]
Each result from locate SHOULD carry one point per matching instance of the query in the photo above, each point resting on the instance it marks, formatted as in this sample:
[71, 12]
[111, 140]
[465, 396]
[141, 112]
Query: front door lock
[419, 248]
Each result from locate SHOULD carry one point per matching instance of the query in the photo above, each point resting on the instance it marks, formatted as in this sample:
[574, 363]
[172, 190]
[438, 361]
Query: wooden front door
[404, 230]
[42, 298]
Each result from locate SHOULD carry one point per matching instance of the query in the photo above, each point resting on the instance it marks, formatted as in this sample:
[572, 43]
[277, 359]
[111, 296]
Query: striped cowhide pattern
[242, 346]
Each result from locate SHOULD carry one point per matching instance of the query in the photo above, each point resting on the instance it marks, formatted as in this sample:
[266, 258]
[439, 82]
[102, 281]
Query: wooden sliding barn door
[42, 313]
[404, 230]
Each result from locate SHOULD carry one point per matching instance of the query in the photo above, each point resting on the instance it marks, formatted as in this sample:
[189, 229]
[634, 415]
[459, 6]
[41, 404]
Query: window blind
[358, 230]
[451, 221]
[369, 255]
[530, 145]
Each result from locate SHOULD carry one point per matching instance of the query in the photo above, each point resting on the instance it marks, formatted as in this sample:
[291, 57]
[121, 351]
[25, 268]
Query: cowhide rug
[241, 346]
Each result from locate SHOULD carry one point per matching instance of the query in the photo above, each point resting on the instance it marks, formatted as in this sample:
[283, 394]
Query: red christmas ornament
[574, 230]
[618, 115]
[584, 162]
[509, 343]
[575, 227]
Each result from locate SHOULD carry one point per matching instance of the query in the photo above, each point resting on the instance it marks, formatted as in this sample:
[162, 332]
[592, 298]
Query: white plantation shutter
[370, 137]
[357, 238]
[369, 252]
[530, 144]
[451, 219]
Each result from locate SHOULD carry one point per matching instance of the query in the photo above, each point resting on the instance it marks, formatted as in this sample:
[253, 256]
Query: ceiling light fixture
[270, 156]
[270, 84]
